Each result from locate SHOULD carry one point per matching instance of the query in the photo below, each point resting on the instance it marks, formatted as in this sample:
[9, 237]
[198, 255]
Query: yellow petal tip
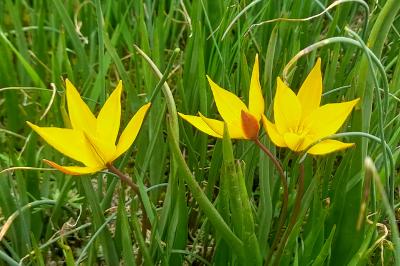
[210, 81]
[31, 125]
[146, 106]
[68, 82]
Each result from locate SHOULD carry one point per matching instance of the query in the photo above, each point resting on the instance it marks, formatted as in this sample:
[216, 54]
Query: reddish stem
[282, 216]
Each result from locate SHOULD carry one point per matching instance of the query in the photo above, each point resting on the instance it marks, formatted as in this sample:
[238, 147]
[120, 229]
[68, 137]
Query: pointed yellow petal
[310, 92]
[273, 133]
[69, 142]
[209, 126]
[328, 146]
[103, 149]
[74, 170]
[256, 99]
[287, 109]
[108, 120]
[228, 104]
[235, 132]
[218, 127]
[132, 129]
[295, 142]
[327, 119]
[79, 113]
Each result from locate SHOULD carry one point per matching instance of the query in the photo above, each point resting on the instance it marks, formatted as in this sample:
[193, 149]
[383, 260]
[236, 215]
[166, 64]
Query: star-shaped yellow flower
[91, 140]
[242, 122]
[301, 121]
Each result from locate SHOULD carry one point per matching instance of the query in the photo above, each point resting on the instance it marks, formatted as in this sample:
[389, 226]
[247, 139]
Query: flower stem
[295, 214]
[285, 199]
[124, 178]
[127, 180]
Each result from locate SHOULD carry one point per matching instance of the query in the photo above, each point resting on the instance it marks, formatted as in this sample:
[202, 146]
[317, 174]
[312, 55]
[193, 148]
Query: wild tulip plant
[300, 124]
[91, 140]
[276, 161]
[300, 121]
[242, 122]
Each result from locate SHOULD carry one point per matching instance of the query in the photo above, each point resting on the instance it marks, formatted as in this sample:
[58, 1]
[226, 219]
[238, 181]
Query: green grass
[203, 201]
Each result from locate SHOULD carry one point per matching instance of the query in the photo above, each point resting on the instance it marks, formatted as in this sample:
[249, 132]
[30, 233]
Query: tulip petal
[228, 104]
[256, 99]
[235, 131]
[217, 126]
[310, 92]
[250, 126]
[327, 119]
[200, 123]
[132, 129]
[296, 142]
[104, 150]
[108, 120]
[79, 113]
[273, 133]
[69, 142]
[328, 146]
[287, 108]
[74, 170]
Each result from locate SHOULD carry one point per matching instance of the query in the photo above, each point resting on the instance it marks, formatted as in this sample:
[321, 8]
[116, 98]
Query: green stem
[13, 216]
[206, 206]
[282, 216]
[169, 98]
[370, 166]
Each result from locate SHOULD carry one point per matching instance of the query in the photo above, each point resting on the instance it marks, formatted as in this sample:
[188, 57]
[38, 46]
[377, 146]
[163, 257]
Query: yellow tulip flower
[301, 121]
[91, 140]
[242, 122]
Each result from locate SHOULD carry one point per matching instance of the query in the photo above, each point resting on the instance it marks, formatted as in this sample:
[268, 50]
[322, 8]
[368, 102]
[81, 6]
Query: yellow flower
[301, 121]
[91, 140]
[242, 122]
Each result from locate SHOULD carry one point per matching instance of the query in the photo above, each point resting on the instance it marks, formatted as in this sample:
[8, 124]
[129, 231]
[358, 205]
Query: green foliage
[202, 201]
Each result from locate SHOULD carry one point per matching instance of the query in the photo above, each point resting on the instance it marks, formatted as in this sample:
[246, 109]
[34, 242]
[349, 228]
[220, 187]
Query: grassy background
[95, 219]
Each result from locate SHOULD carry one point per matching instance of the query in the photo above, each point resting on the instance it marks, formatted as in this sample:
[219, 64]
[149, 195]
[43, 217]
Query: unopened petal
[327, 119]
[69, 142]
[79, 113]
[273, 133]
[287, 109]
[108, 120]
[328, 146]
[250, 126]
[132, 129]
[228, 104]
[310, 92]
[256, 99]
[74, 170]
[199, 123]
